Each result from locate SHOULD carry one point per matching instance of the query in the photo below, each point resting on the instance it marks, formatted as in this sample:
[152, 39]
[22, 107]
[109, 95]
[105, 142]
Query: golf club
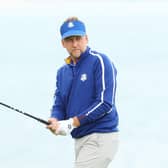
[26, 114]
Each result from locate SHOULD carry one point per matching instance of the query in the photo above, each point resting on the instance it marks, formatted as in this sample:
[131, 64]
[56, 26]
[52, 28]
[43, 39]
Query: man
[84, 104]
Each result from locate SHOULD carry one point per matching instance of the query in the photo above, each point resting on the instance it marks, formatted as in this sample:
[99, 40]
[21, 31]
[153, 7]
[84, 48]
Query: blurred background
[134, 34]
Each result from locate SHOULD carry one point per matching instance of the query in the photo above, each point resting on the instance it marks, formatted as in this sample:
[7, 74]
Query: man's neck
[75, 60]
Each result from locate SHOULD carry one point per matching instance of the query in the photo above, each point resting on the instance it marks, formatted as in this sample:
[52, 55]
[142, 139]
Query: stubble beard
[76, 55]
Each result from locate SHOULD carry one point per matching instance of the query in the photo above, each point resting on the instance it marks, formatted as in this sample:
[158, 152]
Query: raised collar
[68, 60]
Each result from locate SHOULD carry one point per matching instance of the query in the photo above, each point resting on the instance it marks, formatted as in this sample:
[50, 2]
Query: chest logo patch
[83, 77]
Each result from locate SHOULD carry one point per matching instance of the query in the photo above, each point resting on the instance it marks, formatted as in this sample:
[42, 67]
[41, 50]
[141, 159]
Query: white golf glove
[65, 127]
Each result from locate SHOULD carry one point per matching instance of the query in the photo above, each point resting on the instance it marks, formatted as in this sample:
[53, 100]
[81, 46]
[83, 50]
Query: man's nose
[74, 42]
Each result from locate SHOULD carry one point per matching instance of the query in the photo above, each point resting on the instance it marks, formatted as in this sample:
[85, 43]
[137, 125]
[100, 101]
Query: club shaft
[26, 114]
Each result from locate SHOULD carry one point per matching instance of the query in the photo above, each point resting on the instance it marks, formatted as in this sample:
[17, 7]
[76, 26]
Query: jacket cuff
[83, 119]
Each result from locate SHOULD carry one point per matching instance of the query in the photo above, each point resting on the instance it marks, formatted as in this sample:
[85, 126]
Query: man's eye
[78, 38]
[68, 39]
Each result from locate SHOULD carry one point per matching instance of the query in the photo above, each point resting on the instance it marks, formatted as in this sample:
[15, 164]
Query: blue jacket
[87, 90]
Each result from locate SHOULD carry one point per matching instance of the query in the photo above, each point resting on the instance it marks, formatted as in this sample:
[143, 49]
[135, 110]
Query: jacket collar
[69, 61]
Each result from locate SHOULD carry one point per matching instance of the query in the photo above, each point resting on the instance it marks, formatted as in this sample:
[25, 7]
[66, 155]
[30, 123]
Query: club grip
[38, 119]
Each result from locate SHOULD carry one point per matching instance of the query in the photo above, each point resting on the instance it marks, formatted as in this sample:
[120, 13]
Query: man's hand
[63, 127]
[53, 125]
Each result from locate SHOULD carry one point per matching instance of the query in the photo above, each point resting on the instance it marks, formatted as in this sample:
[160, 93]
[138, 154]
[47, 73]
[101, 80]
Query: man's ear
[87, 38]
[63, 43]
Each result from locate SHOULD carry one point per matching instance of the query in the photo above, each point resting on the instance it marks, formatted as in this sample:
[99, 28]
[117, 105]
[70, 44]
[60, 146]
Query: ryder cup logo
[83, 77]
[70, 24]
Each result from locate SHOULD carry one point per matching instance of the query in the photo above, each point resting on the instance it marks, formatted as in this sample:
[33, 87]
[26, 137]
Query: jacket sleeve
[105, 87]
[58, 110]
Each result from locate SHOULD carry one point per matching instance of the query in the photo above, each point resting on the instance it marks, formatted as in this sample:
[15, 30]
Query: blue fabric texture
[72, 28]
[87, 90]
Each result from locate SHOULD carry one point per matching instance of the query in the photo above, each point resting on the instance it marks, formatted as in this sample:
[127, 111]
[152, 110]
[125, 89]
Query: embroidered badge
[70, 24]
[83, 77]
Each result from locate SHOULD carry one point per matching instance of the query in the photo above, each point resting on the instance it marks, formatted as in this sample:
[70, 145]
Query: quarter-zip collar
[69, 61]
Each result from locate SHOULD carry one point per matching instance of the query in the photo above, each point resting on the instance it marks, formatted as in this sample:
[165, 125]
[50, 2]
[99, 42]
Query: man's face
[75, 45]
